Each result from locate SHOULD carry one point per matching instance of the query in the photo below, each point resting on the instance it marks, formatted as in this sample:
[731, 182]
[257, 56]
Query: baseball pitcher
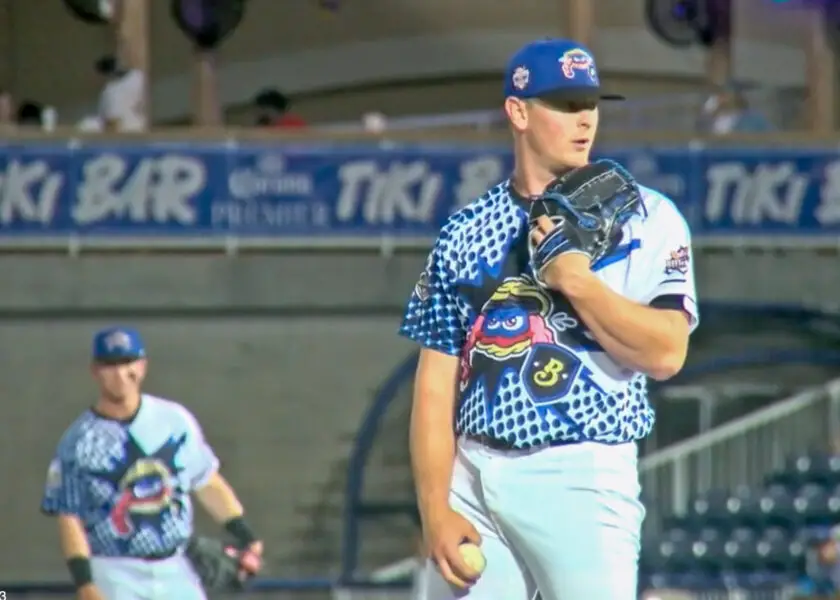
[120, 486]
[543, 308]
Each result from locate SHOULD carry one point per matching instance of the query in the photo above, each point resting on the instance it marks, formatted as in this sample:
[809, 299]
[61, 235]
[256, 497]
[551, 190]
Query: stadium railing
[743, 451]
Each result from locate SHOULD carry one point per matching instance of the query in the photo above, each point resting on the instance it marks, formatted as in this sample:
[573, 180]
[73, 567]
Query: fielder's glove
[588, 206]
[217, 564]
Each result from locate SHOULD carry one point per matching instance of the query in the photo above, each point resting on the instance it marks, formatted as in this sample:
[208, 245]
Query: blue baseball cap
[118, 345]
[556, 70]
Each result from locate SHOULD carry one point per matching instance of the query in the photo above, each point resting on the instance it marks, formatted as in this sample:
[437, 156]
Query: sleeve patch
[422, 288]
[54, 475]
[677, 261]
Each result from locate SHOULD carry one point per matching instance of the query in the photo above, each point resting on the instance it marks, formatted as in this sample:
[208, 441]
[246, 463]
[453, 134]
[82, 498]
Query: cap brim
[578, 95]
[116, 359]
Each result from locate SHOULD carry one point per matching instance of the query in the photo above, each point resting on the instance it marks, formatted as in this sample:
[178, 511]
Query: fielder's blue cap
[554, 69]
[118, 344]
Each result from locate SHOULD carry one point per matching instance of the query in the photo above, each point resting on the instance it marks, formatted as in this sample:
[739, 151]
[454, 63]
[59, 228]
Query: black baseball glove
[217, 564]
[588, 206]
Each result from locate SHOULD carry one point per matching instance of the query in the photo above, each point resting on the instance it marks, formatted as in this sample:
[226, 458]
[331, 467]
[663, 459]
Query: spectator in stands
[273, 110]
[7, 108]
[30, 114]
[90, 124]
[727, 111]
[374, 122]
[823, 566]
[122, 102]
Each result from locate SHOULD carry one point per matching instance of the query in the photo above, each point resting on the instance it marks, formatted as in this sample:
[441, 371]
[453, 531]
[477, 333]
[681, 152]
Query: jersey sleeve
[432, 317]
[64, 488]
[667, 277]
[197, 457]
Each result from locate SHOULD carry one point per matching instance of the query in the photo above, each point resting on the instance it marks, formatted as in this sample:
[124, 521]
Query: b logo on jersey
[145, 489]
[549, 373]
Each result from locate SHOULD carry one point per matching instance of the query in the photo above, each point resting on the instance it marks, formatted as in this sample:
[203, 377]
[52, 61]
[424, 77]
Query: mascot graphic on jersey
[145, 489]
[510, 323]
[521, 334]
[142, 486]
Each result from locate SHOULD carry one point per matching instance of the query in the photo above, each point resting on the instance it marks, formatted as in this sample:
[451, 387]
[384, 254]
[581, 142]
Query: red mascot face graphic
[145, 489]
[511, 323]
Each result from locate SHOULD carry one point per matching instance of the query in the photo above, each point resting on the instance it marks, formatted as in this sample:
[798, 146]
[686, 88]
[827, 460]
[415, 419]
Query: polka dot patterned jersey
[530, 373]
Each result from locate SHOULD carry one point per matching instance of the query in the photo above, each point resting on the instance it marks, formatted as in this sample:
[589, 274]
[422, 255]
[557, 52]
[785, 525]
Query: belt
[504, 445]
[158, 555]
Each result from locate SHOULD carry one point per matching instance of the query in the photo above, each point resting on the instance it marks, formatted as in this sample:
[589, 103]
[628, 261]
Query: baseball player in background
[120, 486]
[537, 344]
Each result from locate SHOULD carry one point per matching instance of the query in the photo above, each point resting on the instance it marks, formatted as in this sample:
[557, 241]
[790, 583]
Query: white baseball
[473, 556]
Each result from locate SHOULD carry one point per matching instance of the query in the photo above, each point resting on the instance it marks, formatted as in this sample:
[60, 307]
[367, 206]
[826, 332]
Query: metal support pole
[819, 53]
[131, 25]
[207, 111]
[719, 55]
[580, 20]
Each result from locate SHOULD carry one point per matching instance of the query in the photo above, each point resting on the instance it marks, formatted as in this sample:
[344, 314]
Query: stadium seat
[678, 522]
[773, 549]
[815, 468]
[709, 534]
[825, 470]
[741, 556]
[651, 559]
[711, 509]
[672, 581]
[675, 551]
[743, 535]
[775, 508]
[742, 508]
[833, 506]
[695, 581]
[758, 580]
[811, 505]
[708, 551]
[798, 549]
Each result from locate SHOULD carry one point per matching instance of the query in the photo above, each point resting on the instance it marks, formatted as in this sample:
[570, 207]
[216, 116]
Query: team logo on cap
[521, 77]
[118, 340]
[578, 60]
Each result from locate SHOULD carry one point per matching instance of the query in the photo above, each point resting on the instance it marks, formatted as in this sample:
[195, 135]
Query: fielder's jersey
[530, 372]
[129, 481]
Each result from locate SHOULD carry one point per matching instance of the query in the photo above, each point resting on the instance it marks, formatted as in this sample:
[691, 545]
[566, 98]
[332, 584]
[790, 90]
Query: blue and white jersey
[129, 481]
[530, 372]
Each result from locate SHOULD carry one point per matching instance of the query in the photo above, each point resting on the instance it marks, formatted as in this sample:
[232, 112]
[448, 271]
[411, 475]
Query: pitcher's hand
[443, 535]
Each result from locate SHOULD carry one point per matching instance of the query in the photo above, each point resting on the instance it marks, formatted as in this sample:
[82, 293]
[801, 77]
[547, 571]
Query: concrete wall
[339, 283]
[305, 50]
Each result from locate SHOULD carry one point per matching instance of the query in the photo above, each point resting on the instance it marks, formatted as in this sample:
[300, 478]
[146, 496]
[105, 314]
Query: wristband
[238, 528]
[80, 573]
